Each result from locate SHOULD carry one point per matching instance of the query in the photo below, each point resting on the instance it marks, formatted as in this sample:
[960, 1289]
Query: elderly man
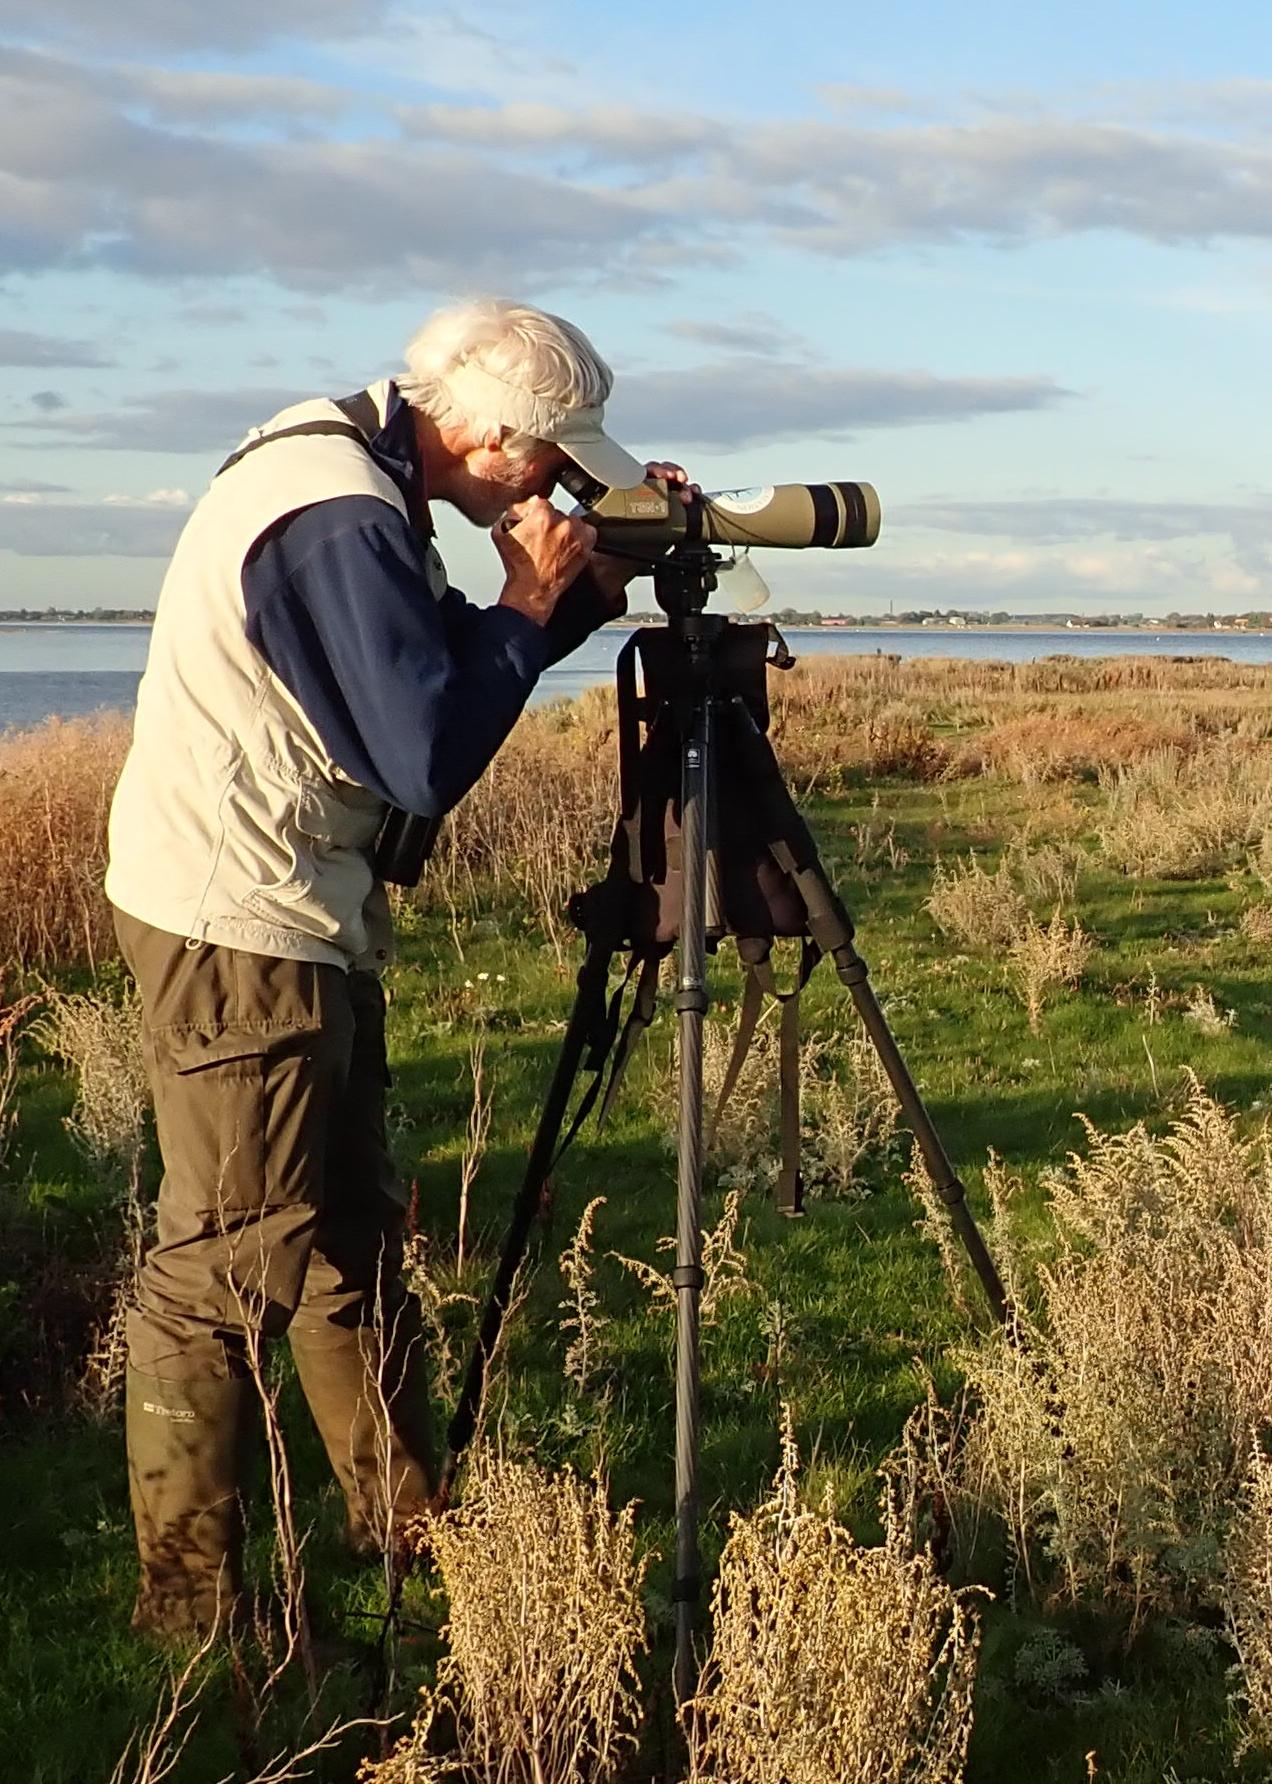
[310, 668]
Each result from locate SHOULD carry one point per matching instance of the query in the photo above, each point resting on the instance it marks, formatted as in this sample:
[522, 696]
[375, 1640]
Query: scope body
[788, 516]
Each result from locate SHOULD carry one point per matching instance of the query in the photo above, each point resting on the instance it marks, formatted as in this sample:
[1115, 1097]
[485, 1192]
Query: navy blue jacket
[412, 696]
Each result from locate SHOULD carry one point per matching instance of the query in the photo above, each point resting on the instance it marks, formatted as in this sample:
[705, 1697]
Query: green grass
[863, 1300]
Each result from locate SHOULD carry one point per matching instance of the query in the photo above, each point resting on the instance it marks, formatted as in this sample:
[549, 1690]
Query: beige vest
[230, 822]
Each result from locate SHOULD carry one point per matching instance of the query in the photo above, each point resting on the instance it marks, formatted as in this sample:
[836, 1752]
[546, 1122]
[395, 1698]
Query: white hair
[538, 352]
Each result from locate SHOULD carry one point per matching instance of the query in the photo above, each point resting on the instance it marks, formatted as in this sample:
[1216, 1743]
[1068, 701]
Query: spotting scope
[650, 518]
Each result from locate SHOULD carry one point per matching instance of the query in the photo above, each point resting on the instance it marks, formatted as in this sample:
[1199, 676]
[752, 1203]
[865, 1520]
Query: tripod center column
[691, 1007]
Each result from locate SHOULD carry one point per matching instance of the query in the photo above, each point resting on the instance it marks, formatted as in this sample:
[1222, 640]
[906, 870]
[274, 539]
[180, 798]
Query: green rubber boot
[188, 1446]
[370, 1402]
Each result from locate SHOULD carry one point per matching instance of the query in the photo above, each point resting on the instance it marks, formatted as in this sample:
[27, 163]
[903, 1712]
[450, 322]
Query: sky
[1013, 266]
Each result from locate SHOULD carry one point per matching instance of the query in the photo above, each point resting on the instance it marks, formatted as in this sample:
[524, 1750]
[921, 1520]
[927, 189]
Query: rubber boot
[188, 1444]
[370, 1402]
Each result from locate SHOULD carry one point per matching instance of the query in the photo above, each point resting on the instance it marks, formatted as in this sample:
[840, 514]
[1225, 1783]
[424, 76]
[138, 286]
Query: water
[69, 670]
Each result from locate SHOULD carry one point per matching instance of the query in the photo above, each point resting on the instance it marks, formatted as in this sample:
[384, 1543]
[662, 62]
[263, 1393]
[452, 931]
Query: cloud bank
[151, 171]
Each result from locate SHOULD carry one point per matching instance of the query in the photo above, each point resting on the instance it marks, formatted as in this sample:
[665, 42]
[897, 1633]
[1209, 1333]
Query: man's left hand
[612, 575]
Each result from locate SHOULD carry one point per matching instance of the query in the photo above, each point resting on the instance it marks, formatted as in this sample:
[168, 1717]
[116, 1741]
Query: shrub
[539, 1682]
[101, 1042]
[830, 1661]
[1042, 957]
[848, 1110]
[980, 909]
[1116, 1419]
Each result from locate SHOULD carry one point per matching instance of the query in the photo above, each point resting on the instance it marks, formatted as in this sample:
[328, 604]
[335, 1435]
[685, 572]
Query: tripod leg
[691, 1006]
[830, 926]
[590, 999]
[853, 973]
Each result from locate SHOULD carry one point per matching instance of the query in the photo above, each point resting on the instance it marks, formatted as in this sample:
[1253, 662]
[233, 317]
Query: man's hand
[612, 575]
[543, 551]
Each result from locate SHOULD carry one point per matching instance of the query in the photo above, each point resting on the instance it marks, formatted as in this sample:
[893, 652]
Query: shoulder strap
[362, 423]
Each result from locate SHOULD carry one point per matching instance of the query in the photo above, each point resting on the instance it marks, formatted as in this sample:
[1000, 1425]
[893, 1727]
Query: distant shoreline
[1015, 626]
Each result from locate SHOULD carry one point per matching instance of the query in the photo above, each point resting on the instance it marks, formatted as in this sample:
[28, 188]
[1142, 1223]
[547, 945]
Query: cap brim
[605, 460]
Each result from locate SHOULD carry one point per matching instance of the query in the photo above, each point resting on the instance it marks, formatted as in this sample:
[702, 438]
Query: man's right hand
[543, 551]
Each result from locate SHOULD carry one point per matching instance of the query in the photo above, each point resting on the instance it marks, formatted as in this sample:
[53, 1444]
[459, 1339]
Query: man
[309, 668]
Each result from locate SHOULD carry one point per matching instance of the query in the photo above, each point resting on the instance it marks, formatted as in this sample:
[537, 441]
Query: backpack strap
[748, 1015]
[629, 753]
[361, 423]
[638, 1020]
[758, 982]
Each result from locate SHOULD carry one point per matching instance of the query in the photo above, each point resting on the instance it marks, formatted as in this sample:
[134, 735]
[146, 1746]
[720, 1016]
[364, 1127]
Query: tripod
[707, 715]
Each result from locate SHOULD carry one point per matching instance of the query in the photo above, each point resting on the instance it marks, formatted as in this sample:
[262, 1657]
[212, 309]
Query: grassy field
[1062, 879]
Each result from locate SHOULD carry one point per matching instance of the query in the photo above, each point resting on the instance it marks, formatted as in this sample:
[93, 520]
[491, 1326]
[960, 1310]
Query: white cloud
[188, 24]
[158, 498]
[32, 527]
[151, 171]
[743, 401]
[167, 421]
[1068, 519]
[22, 347]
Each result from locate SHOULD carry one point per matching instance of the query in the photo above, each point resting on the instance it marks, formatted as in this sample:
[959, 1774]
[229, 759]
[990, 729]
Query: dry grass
[582, 1315]
[12, 1018]
[1047, 746]
[1117, 1421]
[849, 1111]
[1042, 957]
[101, 1042]
[447, 1309]
[1176, 816]
[830, 1661]
[537, 826]
[723, 1266]
[56, 783]
[1180, 748]
[1256, 922]
[1247, 1597]
[979, 909]
[539, 1684]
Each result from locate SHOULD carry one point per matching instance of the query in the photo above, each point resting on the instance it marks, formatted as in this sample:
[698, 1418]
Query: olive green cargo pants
[279, 1212]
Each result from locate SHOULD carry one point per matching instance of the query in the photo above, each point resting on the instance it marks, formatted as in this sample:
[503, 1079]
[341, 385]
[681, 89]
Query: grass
[846, 1314]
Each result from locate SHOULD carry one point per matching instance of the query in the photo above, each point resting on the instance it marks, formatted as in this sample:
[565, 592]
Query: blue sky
[1014, 269]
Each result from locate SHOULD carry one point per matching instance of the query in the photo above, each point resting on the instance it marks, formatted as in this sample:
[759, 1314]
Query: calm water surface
[68, 670]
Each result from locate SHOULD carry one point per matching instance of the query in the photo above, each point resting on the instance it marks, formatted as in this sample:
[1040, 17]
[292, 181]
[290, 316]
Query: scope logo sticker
[742, 501]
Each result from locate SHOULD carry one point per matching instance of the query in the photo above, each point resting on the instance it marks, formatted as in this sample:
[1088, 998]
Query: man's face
[489, 480]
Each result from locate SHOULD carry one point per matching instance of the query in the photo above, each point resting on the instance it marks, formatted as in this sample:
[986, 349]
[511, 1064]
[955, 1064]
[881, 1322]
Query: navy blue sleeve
[411, 696]
[579, 611]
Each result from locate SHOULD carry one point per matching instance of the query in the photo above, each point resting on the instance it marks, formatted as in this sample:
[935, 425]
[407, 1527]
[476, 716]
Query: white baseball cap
[578, 432]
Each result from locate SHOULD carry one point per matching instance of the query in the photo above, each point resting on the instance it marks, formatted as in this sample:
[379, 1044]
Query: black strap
[638, 1020]
[781, 657]
[629, 753]
[361, 423]
[600, 1046]
[363, 411]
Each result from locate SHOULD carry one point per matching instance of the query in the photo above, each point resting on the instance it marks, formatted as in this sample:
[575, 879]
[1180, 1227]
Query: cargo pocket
[210, 1106]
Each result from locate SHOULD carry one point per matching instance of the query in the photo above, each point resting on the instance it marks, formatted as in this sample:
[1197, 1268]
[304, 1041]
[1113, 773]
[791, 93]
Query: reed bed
[1179, 749]
[55, 788]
